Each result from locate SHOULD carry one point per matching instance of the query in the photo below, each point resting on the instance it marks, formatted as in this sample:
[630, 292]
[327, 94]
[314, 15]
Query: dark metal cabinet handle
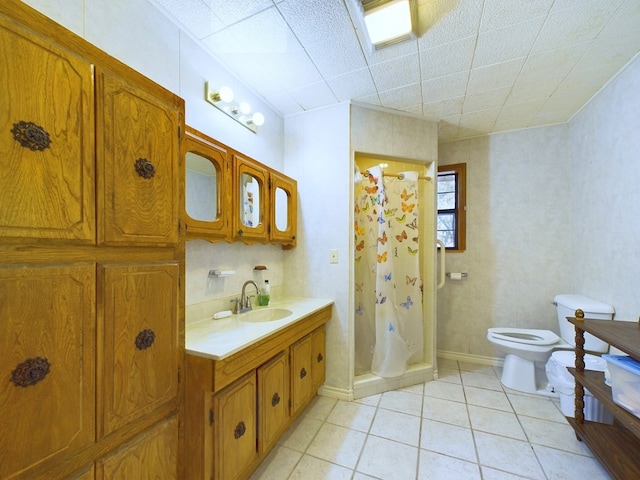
[275, 400]
[320, 357]
[31, 136]
[145, 339]
[303, 373]
[239, 431]
[145, 168]
[30, 372]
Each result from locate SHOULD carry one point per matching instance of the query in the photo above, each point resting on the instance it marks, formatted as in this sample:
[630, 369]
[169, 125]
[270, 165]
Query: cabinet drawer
[47, 340]
[153, 456]
[301, 376]
[138, 354]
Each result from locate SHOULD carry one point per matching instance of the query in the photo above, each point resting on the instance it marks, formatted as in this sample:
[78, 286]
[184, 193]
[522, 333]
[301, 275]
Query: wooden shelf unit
[615, 446]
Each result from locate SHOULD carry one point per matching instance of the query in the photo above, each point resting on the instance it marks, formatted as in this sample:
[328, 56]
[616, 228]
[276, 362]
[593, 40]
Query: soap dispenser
[265, 294]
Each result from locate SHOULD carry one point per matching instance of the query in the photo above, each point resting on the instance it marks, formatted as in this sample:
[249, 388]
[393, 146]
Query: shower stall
[394, 273]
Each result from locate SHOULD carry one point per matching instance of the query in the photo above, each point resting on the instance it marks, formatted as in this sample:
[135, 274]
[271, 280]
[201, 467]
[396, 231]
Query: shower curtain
[388, 288]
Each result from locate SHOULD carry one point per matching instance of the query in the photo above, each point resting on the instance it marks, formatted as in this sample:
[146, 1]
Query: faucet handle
[236, 307]
[247, 304]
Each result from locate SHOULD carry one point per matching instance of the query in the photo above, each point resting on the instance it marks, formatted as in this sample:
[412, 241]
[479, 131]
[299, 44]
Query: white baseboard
[465, 357]
[345, 394]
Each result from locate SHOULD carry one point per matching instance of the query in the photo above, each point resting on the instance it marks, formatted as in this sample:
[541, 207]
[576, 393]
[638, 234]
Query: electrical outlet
[333, 255]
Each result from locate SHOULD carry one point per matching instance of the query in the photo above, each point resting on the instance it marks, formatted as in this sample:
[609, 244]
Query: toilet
[528, 350]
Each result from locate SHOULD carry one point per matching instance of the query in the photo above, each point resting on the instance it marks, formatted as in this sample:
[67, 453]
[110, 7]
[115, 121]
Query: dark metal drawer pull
[275, 400]
[320, 357]
[145, 339]
[31, 136]
[239, 431]
[303, 373]
[30, 372]
[145, 168]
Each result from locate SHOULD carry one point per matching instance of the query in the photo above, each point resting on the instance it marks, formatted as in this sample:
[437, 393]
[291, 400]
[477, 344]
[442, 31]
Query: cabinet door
[301, 378]
[251, 200]
[234, 424]
[207, 187]
[273, 397]
[46, 140]
[138, 148]
[284, 208]
[154, 456]
[138, 354]
[318, 352]
[47, 345]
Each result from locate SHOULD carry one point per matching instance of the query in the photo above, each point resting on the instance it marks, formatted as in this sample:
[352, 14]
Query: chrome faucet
[244, 304]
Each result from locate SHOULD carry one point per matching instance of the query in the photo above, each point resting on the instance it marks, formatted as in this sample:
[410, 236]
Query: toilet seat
[529, 336]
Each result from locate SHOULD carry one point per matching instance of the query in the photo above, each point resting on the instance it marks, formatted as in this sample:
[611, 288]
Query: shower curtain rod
[397, 175]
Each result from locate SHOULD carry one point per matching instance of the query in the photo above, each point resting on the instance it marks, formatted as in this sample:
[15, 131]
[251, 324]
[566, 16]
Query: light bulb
[225, 94]
[257, 119]
[244, 108]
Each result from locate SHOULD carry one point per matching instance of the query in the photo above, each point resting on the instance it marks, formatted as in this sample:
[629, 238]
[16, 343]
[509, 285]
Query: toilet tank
[566, 306]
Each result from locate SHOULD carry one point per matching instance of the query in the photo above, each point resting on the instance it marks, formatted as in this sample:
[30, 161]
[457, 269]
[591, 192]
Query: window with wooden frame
[452, 206]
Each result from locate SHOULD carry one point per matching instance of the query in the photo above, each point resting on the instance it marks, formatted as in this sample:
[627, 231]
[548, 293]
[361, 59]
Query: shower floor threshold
[370, 384]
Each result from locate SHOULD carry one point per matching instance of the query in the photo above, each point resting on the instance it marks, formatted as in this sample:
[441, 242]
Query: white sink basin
[265, 315]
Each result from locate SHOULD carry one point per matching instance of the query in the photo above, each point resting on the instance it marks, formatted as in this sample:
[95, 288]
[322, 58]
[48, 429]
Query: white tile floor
[463, 426]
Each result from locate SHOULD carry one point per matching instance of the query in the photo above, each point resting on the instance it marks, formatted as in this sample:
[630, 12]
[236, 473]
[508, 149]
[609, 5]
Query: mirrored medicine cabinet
[228, 196]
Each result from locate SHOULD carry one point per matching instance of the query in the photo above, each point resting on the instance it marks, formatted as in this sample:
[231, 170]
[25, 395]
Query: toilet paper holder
[455, 274]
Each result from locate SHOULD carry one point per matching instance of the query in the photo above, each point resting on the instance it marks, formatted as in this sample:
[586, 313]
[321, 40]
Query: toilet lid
[567, 358]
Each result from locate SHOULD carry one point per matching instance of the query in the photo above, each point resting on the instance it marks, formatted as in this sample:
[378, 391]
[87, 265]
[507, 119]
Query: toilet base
[524, 375]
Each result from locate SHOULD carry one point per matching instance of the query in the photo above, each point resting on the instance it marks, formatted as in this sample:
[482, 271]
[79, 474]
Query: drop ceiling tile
[194, 13]
[442, 21]
[507, 43]
[481, 120]
[316, 21]
[232, 11]
[401, 97]
[447, 59]
[573, 25]
[494, 76]
[501, 13]
[485, 100]
[313, 96]
[399, 71]
[556, 62]
[369, 100]
[526, 90]
[443, 108]
[442, 88]
[355, 84]
[518, 113]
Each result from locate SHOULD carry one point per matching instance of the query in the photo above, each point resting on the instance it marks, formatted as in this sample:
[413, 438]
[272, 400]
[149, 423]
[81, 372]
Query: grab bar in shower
[442, 272]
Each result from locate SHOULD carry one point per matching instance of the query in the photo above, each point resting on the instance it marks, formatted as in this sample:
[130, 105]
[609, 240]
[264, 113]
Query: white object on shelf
[222, 314]
[625, 381]
[222, 273]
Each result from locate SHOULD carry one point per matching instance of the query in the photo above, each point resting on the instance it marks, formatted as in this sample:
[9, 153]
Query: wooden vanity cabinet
[92, 323]
[238, 407]
[206, 179]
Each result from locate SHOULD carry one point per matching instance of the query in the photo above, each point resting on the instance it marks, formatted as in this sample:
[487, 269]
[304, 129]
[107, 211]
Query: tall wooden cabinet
[91, 316]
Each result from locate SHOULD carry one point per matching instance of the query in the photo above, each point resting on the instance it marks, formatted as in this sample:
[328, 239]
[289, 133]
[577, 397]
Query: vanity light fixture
[222, 99]
[388, 21]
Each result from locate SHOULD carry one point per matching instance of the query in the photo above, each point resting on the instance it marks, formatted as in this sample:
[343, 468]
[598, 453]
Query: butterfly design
[412, 252]
[387, 277]
[390, 327]
[413, 225]
[383, 238]
[383, 257]
[375, 200]
[359, 287]
[406, 196]
[408, 304]
[380, 299]
[407, 207]
[360, 246]
[402, 218]
[415, 239]
[380, 219]
[359, 229]
[371, 190]
[366, 207]
[358, 258]
[359, 310]
[370, 217]
[410, 281]
[357, 208]
[391, 211]
[402, 236]
[373, 179]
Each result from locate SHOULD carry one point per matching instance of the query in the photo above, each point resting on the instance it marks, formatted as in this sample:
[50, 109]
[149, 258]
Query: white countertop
[217, 339]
